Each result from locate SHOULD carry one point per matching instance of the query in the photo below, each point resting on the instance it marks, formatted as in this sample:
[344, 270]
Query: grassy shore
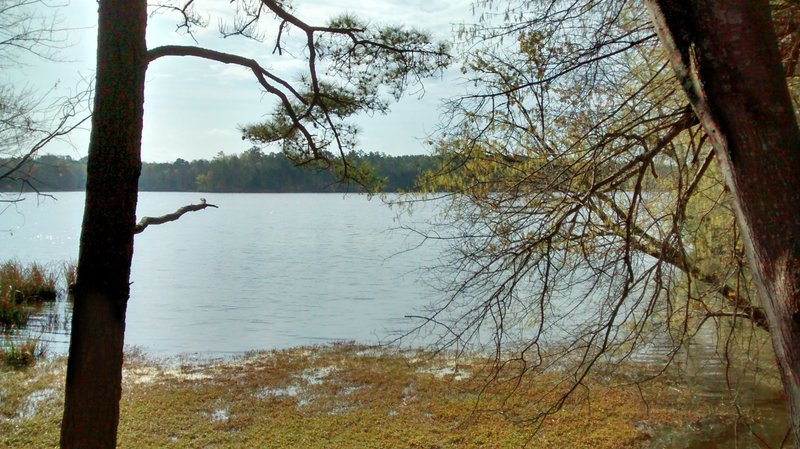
[23, 290]
[345, 396]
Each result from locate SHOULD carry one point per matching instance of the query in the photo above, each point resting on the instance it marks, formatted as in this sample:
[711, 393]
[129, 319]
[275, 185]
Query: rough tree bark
[725, 54]
[400, 57]
[94, 368]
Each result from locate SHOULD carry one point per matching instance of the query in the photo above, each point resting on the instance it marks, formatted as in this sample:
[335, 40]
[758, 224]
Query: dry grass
[31, 283]
[12, 314]
[70, 270]
[341, 396]
[22, 290]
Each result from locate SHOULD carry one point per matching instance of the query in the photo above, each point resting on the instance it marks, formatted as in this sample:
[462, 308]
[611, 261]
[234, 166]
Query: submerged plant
[21, 353]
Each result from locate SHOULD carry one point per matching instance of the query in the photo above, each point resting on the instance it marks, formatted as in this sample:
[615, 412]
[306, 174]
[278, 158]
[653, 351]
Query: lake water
[271, 271]
[263, 271]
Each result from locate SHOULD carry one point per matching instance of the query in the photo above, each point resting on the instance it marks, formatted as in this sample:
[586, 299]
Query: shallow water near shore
[752, 413]
[263, 271]
[279, 271]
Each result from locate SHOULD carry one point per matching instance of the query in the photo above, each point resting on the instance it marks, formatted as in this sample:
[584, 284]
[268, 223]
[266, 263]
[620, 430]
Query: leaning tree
[726, 57]
[594, 204]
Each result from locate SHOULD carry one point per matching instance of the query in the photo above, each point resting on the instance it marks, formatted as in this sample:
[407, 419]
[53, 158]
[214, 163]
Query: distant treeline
[251, 171]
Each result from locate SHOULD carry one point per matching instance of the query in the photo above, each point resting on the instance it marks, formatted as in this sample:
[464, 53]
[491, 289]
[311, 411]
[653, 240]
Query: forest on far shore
[251, 171]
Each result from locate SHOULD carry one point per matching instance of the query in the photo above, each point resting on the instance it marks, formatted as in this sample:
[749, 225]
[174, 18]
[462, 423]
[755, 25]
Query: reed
[22, 289]
[32, 283]
[70, 270]
[21, 353]
[12, 313]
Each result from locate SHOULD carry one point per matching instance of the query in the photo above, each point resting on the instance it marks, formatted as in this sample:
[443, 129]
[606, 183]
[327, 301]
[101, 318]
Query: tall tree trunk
[94, 369]
[726, 56]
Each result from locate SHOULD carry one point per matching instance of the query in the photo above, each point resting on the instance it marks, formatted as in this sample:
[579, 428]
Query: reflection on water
[50, 324]
[275, 271]
[262, 271]
[703, 366]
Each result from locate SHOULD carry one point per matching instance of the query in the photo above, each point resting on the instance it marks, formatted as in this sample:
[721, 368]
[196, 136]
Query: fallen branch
[147, 221]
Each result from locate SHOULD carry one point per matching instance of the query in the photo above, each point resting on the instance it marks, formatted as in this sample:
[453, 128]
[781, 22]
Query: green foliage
[587, 216]
[373, 58]
[255, 171]
[352, 69]
[46, 173]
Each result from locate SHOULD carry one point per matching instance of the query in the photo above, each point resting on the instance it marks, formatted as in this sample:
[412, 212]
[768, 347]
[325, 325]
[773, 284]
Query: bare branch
[147, 221]
[586, 215]
[189, 18]
[61, 129]
[26, 29]
[261, 74]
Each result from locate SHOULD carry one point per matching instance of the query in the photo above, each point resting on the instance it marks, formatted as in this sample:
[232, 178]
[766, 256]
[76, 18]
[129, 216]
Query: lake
[263, 271]
[268, 271]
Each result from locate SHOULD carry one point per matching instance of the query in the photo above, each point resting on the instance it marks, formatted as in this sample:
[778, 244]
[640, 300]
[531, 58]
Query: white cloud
[227, 132]
[193, 107]
[433, 15]
[227, 73]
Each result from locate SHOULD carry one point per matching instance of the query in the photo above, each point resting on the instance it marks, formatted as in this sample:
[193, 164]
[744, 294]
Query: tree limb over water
[147, 221]
[349, 68]
[591, 208]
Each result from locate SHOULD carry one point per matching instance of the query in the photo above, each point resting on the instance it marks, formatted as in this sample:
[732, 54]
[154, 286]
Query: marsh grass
[348, 396]
[21, 353]
[70, 271]
[28, 284]
[23, 289]
[12, 314]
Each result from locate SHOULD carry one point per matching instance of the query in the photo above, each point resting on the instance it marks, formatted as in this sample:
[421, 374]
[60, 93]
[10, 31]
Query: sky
[194, 108]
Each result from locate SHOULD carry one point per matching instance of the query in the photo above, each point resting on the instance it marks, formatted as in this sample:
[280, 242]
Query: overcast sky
[193, 108]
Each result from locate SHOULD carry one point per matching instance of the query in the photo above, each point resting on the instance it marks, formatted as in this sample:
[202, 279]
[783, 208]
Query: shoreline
[351, 396]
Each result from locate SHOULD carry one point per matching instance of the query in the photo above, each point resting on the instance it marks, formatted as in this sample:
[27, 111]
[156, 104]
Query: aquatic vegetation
[349, 396]
[31, 283]
[70, 270]
[22, 290]
[12, 314]
[21, 353]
